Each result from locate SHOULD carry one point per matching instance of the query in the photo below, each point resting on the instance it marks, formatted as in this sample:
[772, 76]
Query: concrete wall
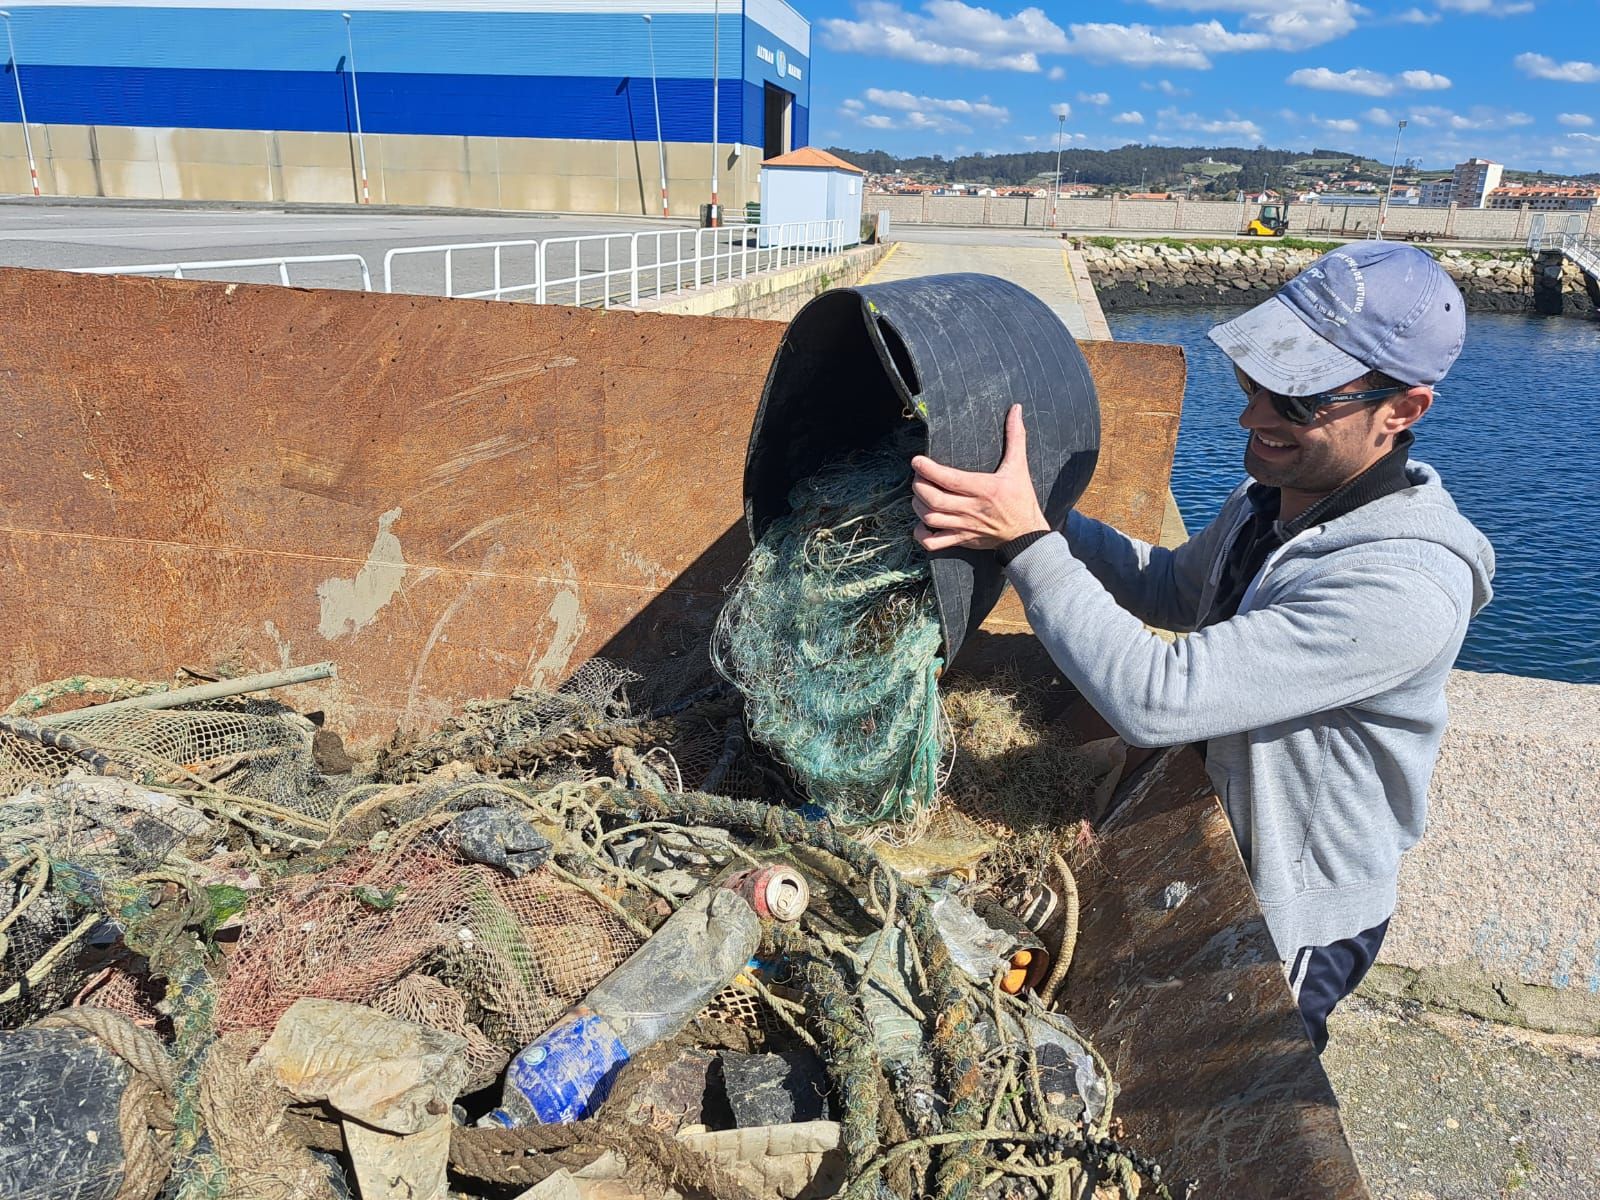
[1500, 902]
[1209, 216]
[539, 174]
[772, 295]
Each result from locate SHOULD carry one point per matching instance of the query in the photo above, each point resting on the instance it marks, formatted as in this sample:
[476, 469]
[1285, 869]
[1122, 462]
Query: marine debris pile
[649, 934]
[237, 963]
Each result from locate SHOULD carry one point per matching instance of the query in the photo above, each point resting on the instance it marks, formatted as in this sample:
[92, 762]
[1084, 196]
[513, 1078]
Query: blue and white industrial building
[523, 104]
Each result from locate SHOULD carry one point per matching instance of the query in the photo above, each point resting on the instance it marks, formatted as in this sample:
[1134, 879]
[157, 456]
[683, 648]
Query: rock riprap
[1137, 273]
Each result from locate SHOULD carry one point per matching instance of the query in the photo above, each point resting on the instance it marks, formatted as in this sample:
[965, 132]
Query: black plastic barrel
[952, 352]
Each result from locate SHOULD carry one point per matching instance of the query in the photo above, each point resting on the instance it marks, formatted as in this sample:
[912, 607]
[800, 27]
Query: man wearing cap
[1325, 604]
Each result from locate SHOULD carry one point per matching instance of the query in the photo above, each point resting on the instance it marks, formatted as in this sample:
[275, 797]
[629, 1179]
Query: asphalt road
[66, 236]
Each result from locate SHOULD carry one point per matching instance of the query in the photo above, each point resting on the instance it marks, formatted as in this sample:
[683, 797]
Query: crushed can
[775, 892]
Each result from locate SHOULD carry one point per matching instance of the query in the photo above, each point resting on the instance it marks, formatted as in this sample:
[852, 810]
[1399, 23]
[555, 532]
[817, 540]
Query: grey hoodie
[1322, 700]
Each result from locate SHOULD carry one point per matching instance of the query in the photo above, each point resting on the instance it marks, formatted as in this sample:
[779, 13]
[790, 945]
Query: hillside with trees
[1159, 167]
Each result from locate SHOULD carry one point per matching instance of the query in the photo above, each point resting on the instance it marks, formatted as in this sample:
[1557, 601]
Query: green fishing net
[832, 635]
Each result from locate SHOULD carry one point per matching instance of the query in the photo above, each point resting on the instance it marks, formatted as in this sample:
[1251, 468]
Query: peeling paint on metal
[285, 647]
[439, 709]
[350, 605]
[566, 614]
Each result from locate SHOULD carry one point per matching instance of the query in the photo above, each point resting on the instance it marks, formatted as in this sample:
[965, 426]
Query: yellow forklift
[1271, 221]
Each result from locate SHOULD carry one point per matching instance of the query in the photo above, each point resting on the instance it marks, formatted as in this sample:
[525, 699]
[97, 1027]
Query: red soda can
[775, 892]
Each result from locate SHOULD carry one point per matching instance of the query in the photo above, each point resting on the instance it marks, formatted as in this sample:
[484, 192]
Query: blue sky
[1513, 80]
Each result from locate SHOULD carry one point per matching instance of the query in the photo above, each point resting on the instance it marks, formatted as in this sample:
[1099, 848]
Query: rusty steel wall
[449, 498]
[1177, 980]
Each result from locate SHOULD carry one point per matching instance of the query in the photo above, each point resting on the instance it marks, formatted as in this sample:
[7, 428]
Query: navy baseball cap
[1368, 306]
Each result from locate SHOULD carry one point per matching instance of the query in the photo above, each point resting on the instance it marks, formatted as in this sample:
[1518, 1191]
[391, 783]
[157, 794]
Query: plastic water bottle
[567, 1073]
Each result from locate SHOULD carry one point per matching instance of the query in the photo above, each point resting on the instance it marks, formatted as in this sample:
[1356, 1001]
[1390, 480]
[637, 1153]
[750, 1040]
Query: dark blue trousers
[1321, 976]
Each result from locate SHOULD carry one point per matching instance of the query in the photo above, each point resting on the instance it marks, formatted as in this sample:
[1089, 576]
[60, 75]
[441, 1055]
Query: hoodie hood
[1422, 512]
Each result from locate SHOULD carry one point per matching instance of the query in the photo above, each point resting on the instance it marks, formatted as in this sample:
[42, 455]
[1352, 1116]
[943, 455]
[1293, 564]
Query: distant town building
[1438, 193]
[1474, 180]
[1546, 199]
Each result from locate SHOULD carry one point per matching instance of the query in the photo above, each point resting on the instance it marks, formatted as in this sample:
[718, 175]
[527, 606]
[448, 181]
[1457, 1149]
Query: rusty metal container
[454, 498]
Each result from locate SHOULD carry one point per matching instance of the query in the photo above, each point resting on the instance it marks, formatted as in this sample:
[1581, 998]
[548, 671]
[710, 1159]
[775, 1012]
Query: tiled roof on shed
[810, 156]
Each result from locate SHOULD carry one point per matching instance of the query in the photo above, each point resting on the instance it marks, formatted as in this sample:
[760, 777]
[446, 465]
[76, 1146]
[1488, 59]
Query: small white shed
[812, 185]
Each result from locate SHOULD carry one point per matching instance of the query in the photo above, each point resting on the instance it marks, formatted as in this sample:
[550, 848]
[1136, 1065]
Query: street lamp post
[1394, 161]
[355, 93]
[716, 87]
[1061, 129]
[16, 75]
[661, 146]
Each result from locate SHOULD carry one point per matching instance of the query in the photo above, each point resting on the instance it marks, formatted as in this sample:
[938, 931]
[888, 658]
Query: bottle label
[568, 1072]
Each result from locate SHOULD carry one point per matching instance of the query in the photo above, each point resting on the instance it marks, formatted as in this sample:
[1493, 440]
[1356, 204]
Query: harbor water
[1514, 431]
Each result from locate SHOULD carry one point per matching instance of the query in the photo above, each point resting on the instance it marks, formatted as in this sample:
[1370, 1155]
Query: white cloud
[1132, 117]
[1266, 25]
[1540, 67]
[1213, 38]
[1061, 110]
[907, 110]
[909, 102]
[1585, 137]
[1363, 82]
[947, 33]
[1166, 87]
[1280, 24]
[1232, 126]
[1283, 24]
[1479, 117]
[1136, 46]
[1333, 124]
[1098, 99]
[1575, 120]
[1488, 8]
[955, 33]
[1357, 79]
[1378, 116]
[1423, 81]
[1415, 16]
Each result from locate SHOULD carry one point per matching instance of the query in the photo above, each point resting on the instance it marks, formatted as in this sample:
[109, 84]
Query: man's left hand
[973, 509]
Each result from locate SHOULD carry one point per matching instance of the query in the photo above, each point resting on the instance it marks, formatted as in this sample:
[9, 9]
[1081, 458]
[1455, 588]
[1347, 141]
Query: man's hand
[974, 510]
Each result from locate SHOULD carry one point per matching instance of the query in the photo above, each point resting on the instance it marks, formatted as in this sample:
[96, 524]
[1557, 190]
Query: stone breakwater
[1136, 274]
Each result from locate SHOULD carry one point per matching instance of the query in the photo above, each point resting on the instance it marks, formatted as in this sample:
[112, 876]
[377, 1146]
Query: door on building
[779, 123]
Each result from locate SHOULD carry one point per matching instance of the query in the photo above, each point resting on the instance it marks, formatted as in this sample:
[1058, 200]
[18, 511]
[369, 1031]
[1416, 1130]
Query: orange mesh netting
[516, 952]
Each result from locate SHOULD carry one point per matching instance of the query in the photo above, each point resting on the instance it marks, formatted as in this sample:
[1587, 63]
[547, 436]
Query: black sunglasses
[1302, 410]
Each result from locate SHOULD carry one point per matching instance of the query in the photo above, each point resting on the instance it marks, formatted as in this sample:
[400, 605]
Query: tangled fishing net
[832, 636]
[178, 891]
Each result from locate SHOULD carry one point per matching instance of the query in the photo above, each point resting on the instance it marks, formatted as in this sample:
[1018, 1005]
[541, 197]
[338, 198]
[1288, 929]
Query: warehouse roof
[810, 156]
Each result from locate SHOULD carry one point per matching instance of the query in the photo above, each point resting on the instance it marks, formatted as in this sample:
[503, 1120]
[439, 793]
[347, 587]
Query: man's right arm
[1160, 586]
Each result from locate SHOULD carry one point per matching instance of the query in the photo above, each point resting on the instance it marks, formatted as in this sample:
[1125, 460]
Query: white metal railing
[181, 270]
[623, 268]
[592, 269]
[498, 288]
[1582, 250]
